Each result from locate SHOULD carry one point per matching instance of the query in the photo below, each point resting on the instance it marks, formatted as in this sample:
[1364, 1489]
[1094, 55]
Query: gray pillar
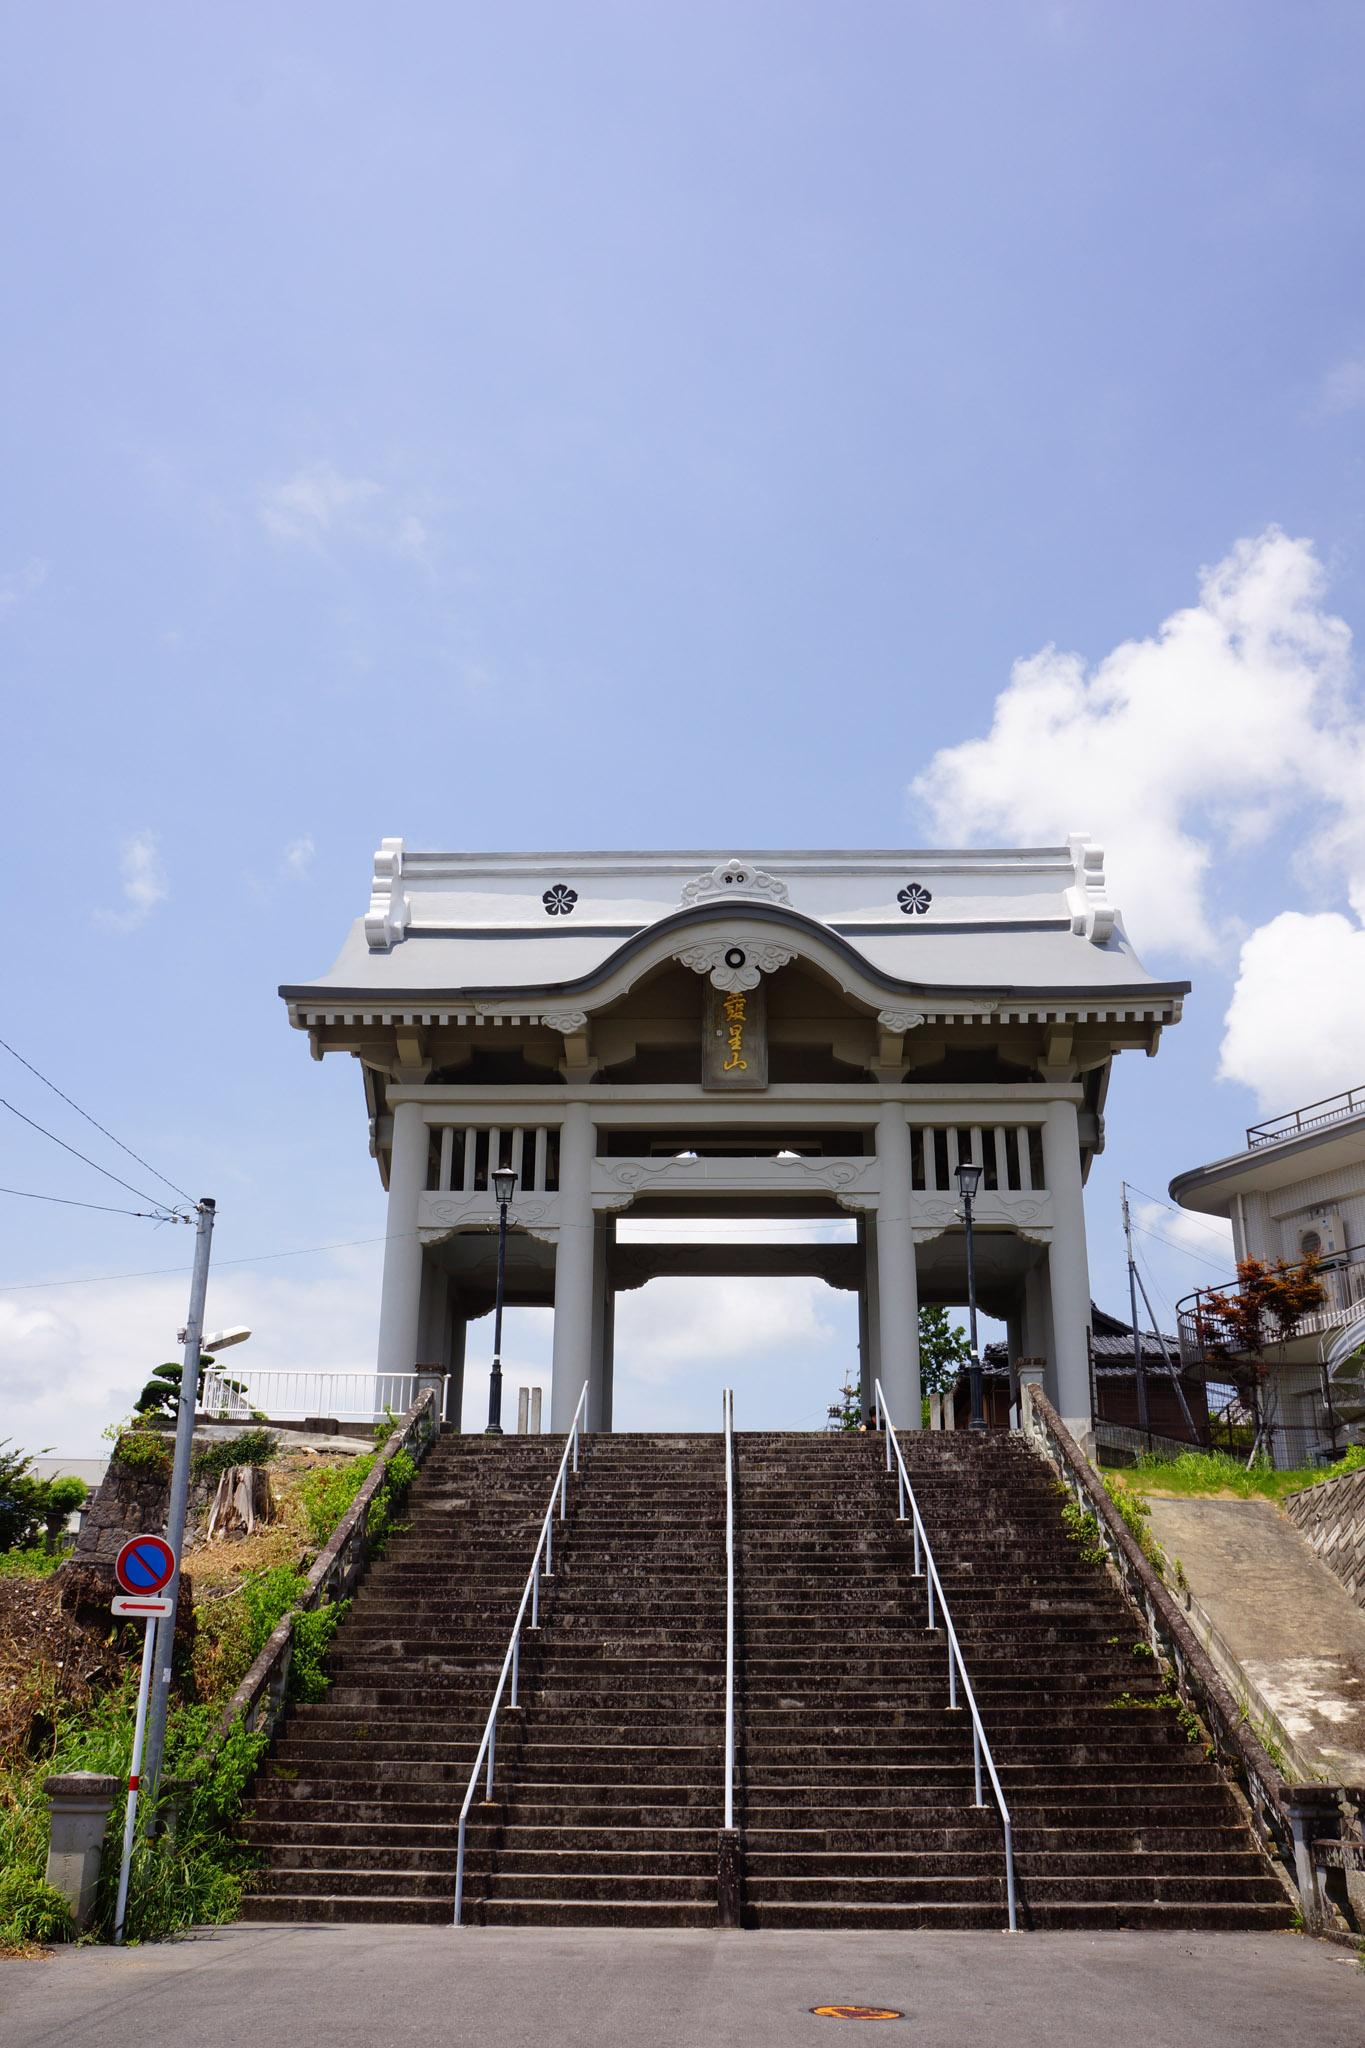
[897, 1290]
[432, 1320]
[864, 1327]
[599, 1395]
[400, 1299]
[80, 1803]
[1068, 1271]
[571, 1360]
[457, 1333]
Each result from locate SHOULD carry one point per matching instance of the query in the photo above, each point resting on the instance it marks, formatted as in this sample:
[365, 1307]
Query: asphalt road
[363, 1987]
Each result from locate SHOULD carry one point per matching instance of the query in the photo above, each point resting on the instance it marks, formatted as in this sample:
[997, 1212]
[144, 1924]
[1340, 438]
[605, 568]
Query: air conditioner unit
[1323, 1236]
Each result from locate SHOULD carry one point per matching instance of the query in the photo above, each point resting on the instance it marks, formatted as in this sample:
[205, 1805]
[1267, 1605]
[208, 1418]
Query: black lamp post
[968, 1180]
[504, 1187]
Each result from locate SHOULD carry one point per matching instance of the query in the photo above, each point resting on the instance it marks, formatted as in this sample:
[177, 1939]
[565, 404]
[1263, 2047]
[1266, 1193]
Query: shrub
[328, 1492]
[253, 1447]
[145, 1451]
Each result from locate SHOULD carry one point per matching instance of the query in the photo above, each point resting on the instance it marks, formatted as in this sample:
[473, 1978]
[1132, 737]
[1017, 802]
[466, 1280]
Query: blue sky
[620, 425]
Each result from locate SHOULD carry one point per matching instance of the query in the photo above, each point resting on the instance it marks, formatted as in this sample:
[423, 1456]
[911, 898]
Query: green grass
[1215, 1472]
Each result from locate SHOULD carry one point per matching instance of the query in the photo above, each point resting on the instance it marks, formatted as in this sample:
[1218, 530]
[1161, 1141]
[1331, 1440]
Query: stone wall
[128, 1504]
[1332, 1517]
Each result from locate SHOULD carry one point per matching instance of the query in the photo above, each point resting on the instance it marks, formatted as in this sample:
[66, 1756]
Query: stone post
[571, 1358]
[400, 1300]
[897, 1289]
[1068, 1272]
[80, 1803]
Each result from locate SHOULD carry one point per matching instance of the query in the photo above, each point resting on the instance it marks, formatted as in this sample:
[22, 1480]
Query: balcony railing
[1330, 1110]
[1207, 1335]
[285, 1395]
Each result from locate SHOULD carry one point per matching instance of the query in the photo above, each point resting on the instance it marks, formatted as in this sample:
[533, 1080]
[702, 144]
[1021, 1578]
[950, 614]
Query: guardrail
[926, 1569]
[1299, 1825]
[260, 1698]
[511, 1663]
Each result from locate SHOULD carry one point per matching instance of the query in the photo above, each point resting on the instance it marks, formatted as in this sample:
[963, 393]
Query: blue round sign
[145, 1564]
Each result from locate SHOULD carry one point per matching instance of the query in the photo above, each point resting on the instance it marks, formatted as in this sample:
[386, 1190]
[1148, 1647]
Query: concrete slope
[1280, 1615]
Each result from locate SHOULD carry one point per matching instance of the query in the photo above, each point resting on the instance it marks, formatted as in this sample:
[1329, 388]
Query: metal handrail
[928, 1570]
[728, 1412]
[1332, 1107]
[511, 1663]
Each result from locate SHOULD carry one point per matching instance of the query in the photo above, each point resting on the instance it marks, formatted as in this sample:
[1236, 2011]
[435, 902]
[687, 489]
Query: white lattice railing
[1010, 1156]
[460, 1157]
[284, 1395]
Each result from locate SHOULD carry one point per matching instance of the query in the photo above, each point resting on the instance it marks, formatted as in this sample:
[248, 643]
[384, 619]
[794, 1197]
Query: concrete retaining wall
[1332, 1517]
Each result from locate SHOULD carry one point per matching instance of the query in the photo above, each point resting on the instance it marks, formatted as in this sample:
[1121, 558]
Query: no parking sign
[143, 1566]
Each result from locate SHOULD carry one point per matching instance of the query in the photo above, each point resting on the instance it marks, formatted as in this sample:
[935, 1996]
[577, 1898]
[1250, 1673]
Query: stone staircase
[856, 1782]
[857, 1793]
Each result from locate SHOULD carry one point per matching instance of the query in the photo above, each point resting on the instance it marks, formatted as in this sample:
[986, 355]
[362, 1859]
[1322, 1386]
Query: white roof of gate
[1027, 921]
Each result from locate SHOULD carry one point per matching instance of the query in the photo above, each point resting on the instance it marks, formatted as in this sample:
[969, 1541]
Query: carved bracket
[1092, 914]
[735, 878]
[389, 913]
[734, 964]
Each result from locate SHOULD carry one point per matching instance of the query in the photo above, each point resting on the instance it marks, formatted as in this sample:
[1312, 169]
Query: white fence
[283, 1396]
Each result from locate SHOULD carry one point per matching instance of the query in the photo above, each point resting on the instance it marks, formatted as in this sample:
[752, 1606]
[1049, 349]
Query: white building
[696, 1034]
[1297, 1190]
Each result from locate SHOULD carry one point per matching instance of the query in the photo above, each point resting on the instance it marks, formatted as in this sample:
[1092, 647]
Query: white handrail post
[900, 1498]
[981, 1751]
[511, 1663]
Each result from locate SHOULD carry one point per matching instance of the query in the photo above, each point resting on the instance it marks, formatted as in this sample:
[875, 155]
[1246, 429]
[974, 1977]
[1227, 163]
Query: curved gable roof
[510, 928]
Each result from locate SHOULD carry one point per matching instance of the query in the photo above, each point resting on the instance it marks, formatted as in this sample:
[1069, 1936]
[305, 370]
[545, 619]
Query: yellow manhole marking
[857, 2012]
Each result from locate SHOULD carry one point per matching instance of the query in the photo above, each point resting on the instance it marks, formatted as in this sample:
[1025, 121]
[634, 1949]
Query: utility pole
[1144, 1420]
[180, 1491]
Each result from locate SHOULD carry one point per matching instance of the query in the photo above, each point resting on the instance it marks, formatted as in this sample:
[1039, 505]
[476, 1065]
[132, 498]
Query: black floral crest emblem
[914, 899]
[560, 900]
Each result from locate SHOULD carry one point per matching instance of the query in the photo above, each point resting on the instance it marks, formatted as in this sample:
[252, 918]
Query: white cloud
[144, 884]
[297, 860]
[1343, 388]
[1206, 1237]
[75, 1359]
[1178, 750]
[21, 583]
[1293, 1028]
[318, 506]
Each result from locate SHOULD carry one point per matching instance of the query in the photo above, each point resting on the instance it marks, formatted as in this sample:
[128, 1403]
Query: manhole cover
[857, 2012]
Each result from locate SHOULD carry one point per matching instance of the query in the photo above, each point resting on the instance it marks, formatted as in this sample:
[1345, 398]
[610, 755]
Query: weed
[1083, 1528]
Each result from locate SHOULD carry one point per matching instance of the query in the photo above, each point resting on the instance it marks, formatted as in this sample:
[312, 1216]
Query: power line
[1218, 1265]
[25, 1194]
[141, 1193]
[1184, 1215]
[95, 1121]
[152, 1272]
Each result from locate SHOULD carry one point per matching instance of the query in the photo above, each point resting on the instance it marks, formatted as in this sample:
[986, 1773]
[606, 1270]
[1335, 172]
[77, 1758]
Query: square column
[1068, 1270]
[400, 1301]
[897, 1285]
[603, 1323]
[571, 1361]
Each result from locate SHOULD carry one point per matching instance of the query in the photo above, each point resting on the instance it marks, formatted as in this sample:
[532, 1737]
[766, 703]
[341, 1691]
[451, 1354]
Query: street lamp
[504, 1187]
[968, 1180]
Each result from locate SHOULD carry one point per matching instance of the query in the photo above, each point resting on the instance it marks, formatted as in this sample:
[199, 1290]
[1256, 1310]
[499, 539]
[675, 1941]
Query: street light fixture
[504, 1187]
[968, 1181]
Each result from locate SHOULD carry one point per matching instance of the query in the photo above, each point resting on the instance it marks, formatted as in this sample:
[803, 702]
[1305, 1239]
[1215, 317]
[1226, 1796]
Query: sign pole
[180, 1485]
[134, 1773]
